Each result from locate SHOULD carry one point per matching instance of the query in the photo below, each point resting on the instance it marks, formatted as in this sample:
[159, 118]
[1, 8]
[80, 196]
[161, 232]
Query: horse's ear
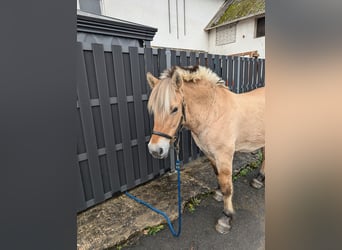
[177, 79]
[152, 81]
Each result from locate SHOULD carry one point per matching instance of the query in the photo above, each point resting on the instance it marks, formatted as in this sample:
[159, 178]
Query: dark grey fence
[114, 125]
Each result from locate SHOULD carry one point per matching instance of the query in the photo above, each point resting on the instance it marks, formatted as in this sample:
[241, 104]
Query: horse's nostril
[161, 151]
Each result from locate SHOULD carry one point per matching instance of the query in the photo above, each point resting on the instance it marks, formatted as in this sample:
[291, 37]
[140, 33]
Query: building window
[226, 34]
[260, 27]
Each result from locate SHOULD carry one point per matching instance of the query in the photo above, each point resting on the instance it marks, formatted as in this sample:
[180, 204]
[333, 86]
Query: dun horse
[221, 122]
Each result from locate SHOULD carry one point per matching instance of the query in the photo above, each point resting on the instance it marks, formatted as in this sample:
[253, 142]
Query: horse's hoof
[218, 196]
[172, 176]
[223, 225]
[256, 183]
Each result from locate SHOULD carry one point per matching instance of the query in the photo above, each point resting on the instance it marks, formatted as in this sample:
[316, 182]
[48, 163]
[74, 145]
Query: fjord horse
[221, 122]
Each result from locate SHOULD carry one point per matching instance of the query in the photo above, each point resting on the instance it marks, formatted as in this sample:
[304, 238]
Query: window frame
[256, 35]
[222, 29]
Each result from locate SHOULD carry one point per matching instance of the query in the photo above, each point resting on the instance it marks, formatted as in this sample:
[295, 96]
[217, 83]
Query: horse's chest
[198, 142]
[203, 145]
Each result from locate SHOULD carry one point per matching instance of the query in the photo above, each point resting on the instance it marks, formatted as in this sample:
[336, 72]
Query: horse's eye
[174, 110]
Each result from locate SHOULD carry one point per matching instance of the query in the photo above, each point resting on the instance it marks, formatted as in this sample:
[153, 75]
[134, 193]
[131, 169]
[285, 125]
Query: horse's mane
[192, 74]
[164, 92]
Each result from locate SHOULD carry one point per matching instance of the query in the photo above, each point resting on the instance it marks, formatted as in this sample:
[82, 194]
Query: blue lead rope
[161, 212]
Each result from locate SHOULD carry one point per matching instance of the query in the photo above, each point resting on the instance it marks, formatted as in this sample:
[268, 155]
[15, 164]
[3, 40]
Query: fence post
[172, 151]
[238, 76]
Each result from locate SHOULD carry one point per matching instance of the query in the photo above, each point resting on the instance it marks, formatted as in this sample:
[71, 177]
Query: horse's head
[166, 104]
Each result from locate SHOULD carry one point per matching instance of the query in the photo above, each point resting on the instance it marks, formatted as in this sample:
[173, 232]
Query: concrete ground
[120, 223]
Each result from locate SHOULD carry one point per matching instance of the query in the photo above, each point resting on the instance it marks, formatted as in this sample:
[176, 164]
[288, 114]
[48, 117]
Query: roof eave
[261, 13]
[221, 10]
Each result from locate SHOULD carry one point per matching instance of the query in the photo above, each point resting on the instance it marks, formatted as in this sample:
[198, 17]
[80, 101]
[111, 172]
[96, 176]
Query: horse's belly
[250, 144]
[248, 147]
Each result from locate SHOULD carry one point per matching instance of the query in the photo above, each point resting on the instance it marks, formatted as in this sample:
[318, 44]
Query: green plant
[248, 168]
[153, 230]
[193, 203]
[191, 208]
[238, 9]
[244, 171]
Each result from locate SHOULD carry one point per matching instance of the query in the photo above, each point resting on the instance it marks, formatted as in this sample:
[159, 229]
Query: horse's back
[259, 93]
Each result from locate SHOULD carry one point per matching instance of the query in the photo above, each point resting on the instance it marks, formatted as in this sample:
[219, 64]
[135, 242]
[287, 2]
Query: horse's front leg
[225, 181]
[218, 196]
[258, 181]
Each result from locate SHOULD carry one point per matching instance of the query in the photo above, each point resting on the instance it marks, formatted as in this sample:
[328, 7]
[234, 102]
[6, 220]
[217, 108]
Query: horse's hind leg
[258, 181]
[226, 184]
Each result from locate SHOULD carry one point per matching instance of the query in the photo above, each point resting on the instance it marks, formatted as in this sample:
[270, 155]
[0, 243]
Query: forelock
[161, 96]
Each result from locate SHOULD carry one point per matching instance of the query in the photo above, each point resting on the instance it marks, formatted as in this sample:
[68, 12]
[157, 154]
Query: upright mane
[192, 74]
[162, 95]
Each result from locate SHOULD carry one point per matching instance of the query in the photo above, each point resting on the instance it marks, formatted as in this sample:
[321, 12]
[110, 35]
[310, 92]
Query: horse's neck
[200, 101]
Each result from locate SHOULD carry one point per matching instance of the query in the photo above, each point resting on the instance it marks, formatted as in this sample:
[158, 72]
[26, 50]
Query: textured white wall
[154, 13]
[248, 43]
[198, 13]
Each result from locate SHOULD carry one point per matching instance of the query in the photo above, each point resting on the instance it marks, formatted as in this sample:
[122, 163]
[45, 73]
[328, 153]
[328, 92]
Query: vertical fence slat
[235, 74]
[240, 69]
[80, 199]
[210, 62]
[155, 62]
[193, 58]
[201, 59]
[230, 72]
[170, 162]
[88, 126]
[259, 71]
[137, 93]
[162, 59]
[123, 111]
[106, 114]
[185, 133]
[183, 62]
[149, 68]
[255, 73]
[224, 69]
[148, 60]
[170, 59]
[217, 65]
[250, 73]
[245, 75]
[242, 75]
[186, 147]
[173, 58]
[148, 64]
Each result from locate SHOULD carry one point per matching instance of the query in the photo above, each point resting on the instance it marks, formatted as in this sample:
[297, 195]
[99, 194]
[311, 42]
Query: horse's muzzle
[159, 150]
[158, 153]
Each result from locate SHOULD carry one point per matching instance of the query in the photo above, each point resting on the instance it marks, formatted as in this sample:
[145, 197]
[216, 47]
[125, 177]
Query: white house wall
[248, 43]
[190, 33]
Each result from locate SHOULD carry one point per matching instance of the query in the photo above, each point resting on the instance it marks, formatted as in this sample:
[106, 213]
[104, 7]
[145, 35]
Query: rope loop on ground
[174, 233]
